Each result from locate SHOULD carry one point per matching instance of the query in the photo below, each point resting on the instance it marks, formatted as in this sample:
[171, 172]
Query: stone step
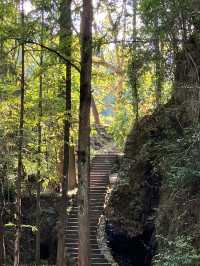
[74, 242]
[98, 260]
[103, 263]
[97, 192]
[96, 186]
[99, 187]
[99, 183]
[100, 168]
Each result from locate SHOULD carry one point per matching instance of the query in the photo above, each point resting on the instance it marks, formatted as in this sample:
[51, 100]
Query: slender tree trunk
[84, 134]
[72, 169]
[134, 66]
[135, 95]
[184, 27]
[72, 182]
[158, 81]
[65, 46]
[95, 112]
[1, 56]
[2, 247]
[40, 108]
[20, 156]
[2, 207]
[67, 120]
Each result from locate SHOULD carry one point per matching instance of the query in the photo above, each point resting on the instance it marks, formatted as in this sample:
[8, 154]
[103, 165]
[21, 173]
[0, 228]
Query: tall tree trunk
[72, 182]
[20, 154]
[40, 108]
[158, 74]
[158, 81]
[84, 134]
[134, 65]
[2, 247]
[65, 46]
[95, 112]
[2, 207]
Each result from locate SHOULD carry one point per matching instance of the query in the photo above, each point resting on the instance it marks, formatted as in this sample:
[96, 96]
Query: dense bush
[179, 252]
[177, 158]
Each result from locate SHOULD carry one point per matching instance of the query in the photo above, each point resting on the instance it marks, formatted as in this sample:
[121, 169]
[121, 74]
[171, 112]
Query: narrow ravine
[135, 251]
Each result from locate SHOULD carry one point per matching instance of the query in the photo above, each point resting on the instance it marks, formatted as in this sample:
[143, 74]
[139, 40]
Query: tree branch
[100, 61]
[49, 49]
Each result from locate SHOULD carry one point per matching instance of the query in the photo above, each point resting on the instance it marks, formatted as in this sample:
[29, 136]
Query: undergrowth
[179, 252]
[177, 159]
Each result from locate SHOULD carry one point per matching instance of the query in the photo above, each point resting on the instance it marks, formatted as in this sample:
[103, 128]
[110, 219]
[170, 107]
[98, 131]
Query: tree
[65, 46]
[95, 112]
[158, 63]
[20, 150]
[40, 109]
[2, 209]
[133, 72]
[2, 205]
[84, 134]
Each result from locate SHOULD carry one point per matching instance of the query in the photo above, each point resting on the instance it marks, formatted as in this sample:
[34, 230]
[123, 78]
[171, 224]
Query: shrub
[179, 252]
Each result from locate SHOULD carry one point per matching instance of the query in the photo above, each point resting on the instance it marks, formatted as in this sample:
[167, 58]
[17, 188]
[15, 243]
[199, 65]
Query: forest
[99, 132]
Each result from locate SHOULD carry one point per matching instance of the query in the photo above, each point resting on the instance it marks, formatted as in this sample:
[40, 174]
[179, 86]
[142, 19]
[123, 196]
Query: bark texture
[95, 112]
[65, 47]
[134, 78]
[2, 246]
[20, 154]
[84, 133]
[40, 107]
[158, 81]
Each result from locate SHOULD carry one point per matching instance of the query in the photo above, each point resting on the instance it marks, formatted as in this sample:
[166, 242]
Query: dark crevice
[44, 251]
[135, 251]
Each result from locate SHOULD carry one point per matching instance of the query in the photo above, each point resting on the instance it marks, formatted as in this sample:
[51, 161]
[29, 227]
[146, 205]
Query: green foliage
[53, 72]
[179, 252]
[24, 226]
[178, 158]
[121, 124]
[179, 176]
[169, 14]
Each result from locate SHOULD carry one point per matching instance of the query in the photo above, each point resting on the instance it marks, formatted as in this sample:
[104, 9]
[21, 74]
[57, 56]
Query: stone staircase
[100, 169]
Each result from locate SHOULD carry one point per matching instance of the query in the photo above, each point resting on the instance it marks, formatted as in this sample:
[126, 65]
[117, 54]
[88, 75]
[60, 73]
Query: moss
[161, 167]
